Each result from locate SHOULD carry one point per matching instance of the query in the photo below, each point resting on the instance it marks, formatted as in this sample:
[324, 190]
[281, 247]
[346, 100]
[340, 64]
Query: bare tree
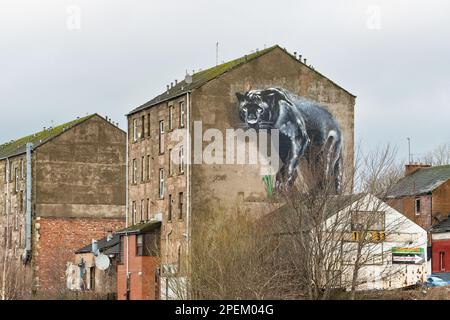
[439, 156]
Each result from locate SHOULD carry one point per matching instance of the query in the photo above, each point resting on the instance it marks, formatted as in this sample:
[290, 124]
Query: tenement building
[61, 188]
[185, 150]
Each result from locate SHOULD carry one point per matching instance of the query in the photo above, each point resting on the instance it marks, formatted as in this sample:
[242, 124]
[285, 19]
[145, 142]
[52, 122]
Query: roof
[334, 205]
[18, 146]
[142, 227]
[422, 181]
[202, 77]
[104, 246]
[443, 226]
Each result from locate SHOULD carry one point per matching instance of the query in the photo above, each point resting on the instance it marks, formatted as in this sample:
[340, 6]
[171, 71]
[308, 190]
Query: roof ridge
[201, 77]
[17, 146]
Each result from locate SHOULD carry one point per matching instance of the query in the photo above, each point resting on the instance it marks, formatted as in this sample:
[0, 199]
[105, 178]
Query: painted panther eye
[244, 109]
[259, 110]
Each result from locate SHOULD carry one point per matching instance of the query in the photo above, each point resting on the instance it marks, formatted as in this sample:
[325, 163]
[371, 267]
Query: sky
[62, 59]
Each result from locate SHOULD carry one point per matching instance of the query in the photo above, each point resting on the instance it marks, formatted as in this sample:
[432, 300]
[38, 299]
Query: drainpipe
[188, 174]
[27, 253]
[188, 186]
[5, 260]
[127, 286]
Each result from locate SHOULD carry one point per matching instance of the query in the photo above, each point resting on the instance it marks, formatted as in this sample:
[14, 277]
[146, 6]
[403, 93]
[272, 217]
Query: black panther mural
[307, 130]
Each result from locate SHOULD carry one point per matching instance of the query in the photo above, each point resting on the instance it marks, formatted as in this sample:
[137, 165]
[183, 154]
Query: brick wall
[142, 275]
[57, 239]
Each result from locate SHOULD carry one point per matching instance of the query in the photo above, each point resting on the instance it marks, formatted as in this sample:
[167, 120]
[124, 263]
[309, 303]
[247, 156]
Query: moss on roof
[142, 227]
[202, 77]
[18, 146]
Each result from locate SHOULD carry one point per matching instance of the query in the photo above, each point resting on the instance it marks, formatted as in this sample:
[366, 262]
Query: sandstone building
[61, 188]
[169, 182]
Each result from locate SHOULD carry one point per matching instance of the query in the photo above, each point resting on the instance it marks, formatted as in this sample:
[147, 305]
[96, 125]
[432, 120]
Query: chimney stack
[413, 167]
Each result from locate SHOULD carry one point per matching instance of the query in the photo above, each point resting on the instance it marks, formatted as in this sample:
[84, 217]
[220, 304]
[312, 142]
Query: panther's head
[259, 109]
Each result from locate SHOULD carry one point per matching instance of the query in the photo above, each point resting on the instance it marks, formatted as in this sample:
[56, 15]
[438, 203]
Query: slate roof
[17, 147]
[443, 226]
[142, 227]
[106, 247]
[422, 181]
[202, 77]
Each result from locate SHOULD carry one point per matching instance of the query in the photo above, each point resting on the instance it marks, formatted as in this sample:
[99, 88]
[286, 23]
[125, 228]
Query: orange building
[138, 269]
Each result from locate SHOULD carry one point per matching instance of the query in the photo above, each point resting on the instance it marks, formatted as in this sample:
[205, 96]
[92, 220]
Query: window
[140, 245]
[143, 127]
[181, 162]
[148, 125]
[135, 130]
[182, 113]
[161, 137]
[180, 205]
[148, 168]
[170, 163]
[179, 259]
[92, 278]
[24, 170]
[169, 215]
[147, 244]
[142, 169]
[133, 213]
[142, 210]
[170, 118]
[134, 173]
[16, 218]
[16, 175]
[417, 206]
[442, 261]
[161, 183]
[148, 210]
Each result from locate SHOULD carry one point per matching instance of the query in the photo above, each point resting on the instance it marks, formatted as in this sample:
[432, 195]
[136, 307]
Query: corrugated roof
[18, 146]
[142, 227]
[202, 77]
[102, 244]
[421, 181]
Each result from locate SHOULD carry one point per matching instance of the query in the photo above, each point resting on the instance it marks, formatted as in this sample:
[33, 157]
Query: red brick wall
[58, 239]
[440, 246]
[441, 200]
[142, 286]
[406, 206]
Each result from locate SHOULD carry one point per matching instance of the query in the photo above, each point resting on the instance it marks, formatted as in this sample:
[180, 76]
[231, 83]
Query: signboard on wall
[408, 255]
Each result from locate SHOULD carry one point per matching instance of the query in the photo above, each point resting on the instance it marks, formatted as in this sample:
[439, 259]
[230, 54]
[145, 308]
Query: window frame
[161, 137]
[170, 208]
[182, 114]
[161, 183]
[181, 160]
[180, 205]
[135, 130]
[417, 206]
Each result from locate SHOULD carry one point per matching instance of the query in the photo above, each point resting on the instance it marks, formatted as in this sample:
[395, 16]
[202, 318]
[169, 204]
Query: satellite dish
[102, 262]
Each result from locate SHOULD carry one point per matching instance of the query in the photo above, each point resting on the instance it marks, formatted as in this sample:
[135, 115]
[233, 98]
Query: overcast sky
[62, 59]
